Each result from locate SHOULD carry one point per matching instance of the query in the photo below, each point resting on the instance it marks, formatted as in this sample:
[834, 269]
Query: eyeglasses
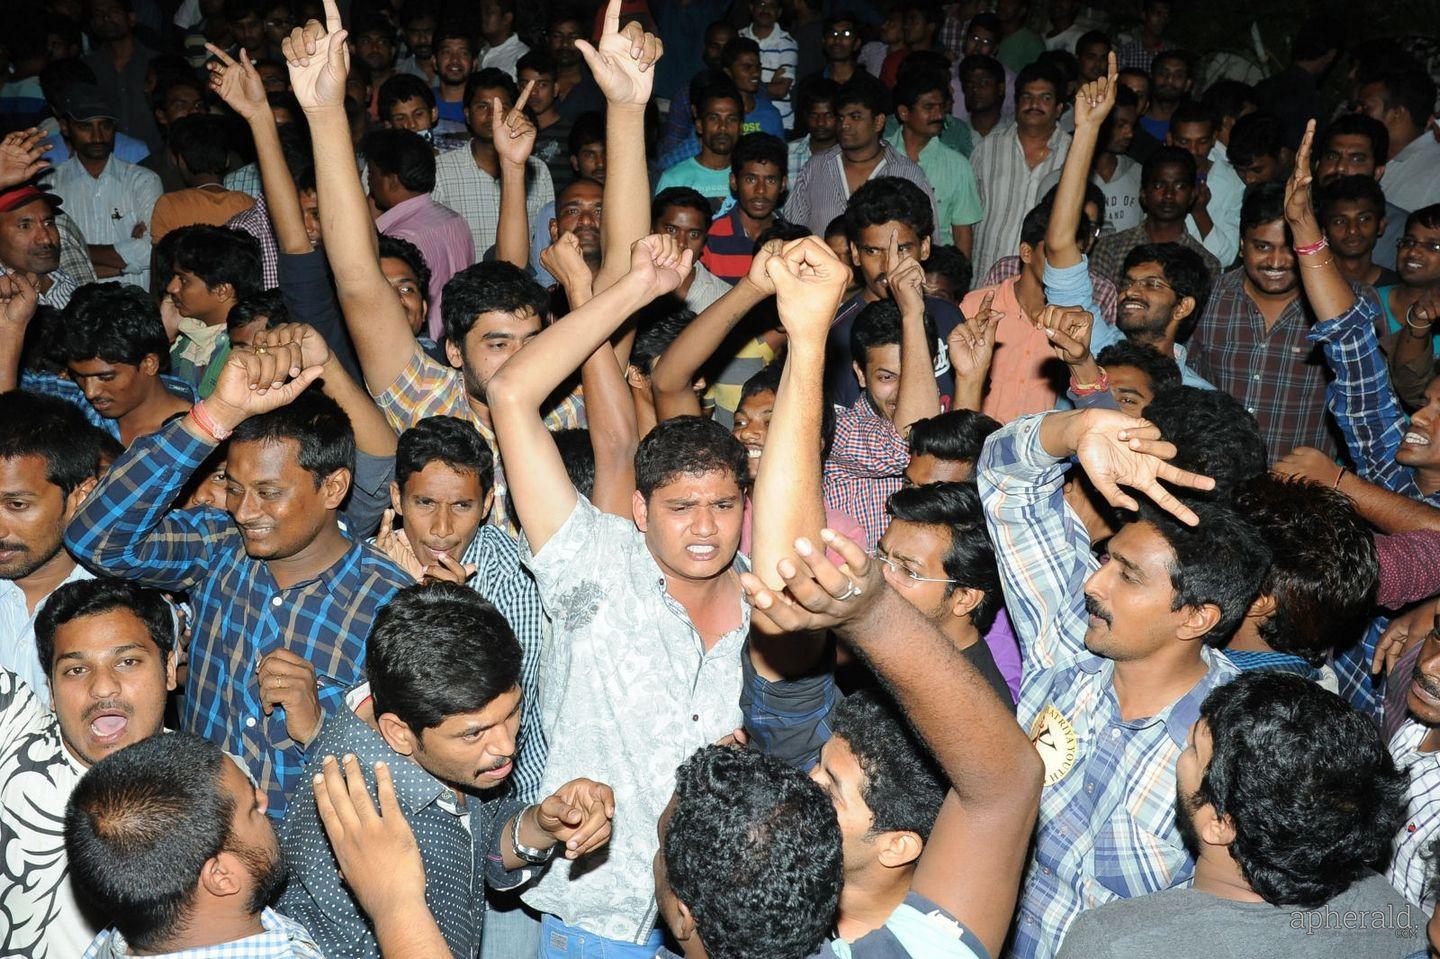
[908, 578]
[1411, 243]
[1151, 283]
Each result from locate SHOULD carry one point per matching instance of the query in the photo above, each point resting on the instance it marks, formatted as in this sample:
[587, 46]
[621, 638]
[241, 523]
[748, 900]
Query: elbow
[506, 390]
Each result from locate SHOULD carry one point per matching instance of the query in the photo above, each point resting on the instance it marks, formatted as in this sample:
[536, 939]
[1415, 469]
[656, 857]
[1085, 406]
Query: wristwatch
[536, 857]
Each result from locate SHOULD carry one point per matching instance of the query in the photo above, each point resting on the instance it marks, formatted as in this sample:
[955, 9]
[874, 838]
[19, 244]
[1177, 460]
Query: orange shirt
[196, 205]
[1025, 375]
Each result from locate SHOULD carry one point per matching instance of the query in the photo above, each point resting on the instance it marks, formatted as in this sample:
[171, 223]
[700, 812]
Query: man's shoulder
[1141, 926]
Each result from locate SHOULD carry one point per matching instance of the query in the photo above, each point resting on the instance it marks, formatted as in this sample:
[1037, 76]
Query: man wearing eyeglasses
[938, 557]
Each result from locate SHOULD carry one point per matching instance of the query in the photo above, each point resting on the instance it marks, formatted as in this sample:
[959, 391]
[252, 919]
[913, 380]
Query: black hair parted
[1184, 270]
[1324, 571]
[91, 597]
[1214, 435]
[1221, 561]
[903, 785]
[887, 199]
[438, 650]
[1263, 203]
[140, 826]
[956, 436]
[1314, 795]
[687, 446]
[878, 324]
[753, 850]
[448, 440]
[116, 323]
[759, 148]
[493, 287]
[315, 423]
[47, 427]
[969, 560]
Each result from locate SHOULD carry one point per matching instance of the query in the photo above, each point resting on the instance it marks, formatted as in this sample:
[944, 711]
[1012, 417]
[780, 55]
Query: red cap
[16, 197]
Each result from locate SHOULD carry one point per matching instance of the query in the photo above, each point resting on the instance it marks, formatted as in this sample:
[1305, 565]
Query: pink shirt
[443, 237]
[834, 519]
[1019, 383]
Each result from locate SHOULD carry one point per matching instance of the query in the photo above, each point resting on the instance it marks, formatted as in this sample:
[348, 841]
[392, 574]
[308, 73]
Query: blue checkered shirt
[1373, 423]
[282, 939]
[508, 586]
[126, 529]
[48, 384]
[1106, 829]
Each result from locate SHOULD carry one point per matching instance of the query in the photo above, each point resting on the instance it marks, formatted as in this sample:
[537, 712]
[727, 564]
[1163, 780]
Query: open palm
[1118, 450]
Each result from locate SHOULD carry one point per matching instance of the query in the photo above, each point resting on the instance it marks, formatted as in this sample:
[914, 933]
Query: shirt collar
[1180, 714]
[275, 942]
[402, 210]
[414, 787]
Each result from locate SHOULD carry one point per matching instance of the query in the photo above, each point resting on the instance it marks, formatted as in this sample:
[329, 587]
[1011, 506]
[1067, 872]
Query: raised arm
[918, 396]
[623, 67]
[540, 489]
[1326, 291]
[609, 411]
[971, 346]
[973, 859]
[674, 370]
[18, 302]
[22, 156]
[373, 314]
[240, 86]
[1092, 106]
[514, 138]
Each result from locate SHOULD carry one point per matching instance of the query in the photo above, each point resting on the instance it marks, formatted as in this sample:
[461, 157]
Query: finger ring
[260, 351]
[851, 591]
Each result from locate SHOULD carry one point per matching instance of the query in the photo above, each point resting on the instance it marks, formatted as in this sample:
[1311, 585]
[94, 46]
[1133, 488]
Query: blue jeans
[511, 930]
[559, 941]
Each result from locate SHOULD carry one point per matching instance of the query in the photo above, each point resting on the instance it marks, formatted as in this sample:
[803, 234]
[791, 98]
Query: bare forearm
[282, 200]
[919, 396]
[1061, 249]
[786, 502]
[610, 414]
[1389, 512]
[12, 348]
[106, 257]
[373, 434]
[627, 190]
[512, 238]
[1325, 288]
[963, 237]
[675, 369]
[407, 930]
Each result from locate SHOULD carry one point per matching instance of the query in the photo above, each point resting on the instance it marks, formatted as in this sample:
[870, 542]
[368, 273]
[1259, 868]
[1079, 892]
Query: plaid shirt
[282, 939]
[256, 222]
[1106, 829]
[1277, 373]
[48, 384]
[501, 580]
[866, 464]
[1412, 867]
[474, 194]
[427, 388]
[1108, 257]
[126, 529]
[1107, 298]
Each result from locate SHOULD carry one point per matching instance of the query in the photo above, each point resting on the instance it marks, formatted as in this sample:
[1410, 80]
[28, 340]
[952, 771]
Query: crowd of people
[694, 478]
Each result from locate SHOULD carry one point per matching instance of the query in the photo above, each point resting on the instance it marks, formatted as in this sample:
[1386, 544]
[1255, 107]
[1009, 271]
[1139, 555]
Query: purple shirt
[1005, 650]
[443, 237]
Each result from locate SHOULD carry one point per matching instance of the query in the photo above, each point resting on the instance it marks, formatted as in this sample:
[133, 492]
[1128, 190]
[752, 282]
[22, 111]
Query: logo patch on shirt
[1054, 739]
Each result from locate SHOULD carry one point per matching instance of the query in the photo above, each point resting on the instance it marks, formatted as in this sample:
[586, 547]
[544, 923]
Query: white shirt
[108, 209]
[705, 289]
[1411, 867]
[37, 775]
[474, 194]
[1227, 191]
[1412, 176]
[1009, 188]
[504, 56]
[17, 635]
[630, 692]
[777, 50]
[1122, 195]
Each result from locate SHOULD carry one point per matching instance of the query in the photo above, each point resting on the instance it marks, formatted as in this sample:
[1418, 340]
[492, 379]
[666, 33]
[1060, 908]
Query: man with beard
[1286, 797]
[276, 584]
[49, 462]
[920, 104]
[758, 180]
[443, 699]
[1167, 193]
[374, 39]
[469, 179]
[121, 64]
[1170, 83]
[719, 113]
[454, 62]
[417, 24]
[109, 654]
[170, 840]
[30, 242]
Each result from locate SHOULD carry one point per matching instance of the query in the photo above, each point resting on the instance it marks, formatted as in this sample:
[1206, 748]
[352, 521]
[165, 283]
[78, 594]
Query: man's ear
[686, 923]
[397, 734]
[640, 511]
[395, 498]
[964, 600]
[859, 373]
[223, 875]
[900, 848]
[1183, 308]
[1198, 621]
[334, 487]
[452, 352]
[78, 495]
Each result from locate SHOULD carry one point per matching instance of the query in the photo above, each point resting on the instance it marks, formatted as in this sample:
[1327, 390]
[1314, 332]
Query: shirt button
[276, 601]
[250, 721]
[695, 718]
[1256, 377]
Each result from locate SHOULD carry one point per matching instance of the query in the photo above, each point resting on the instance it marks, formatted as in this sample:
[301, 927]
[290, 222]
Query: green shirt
[714, 185]
[955, 134]
[957, 197]
[1020, 49]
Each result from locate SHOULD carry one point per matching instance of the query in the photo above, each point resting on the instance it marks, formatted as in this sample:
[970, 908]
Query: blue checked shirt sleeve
[1041, 546]
[1361, 397]
[126, 528]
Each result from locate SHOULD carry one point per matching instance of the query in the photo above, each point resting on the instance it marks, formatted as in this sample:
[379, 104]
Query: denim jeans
[559, 941]
[512, 931]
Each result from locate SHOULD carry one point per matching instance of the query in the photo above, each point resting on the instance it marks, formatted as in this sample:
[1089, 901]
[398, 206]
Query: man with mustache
[921, 101]
[170, 839]
[108, 649]
[30, 242]
[49, 462]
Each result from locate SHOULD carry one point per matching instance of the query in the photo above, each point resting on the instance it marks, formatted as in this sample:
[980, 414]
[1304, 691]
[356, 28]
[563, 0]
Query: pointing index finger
[332, 17]
[524, 97]
[612, 18]
[220, 55]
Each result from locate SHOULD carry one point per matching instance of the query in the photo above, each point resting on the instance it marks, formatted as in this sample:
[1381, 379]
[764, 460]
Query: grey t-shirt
[1369, 919]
